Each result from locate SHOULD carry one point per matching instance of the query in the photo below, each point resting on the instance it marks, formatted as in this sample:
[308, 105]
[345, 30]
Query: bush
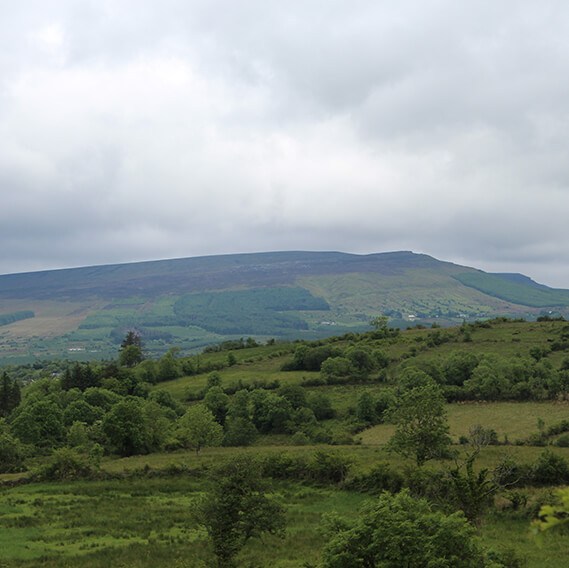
[320, 405]
[435, 486]
[336, 370]
[550, 469]
[300, 439]
[11, 453]
[237, 509]
[563, 441]
[328, 467]
[380, 478]
[325, 467]
[283, 466]
[398, 530]
[65, 464]
[510, 473]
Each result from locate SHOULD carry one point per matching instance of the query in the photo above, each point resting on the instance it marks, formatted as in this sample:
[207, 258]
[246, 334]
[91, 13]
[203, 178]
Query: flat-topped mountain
[192, 302]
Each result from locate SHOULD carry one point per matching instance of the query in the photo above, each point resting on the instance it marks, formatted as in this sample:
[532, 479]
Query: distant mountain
[192, 302]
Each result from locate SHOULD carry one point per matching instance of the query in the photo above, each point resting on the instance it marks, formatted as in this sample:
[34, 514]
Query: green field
[146, 521]
[138, 510]
[514, 420]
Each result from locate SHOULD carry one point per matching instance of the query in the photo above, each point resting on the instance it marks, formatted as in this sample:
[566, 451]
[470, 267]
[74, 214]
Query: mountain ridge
[196, 301]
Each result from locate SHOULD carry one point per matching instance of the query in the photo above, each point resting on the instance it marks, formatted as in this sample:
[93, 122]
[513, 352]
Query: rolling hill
[84, 312]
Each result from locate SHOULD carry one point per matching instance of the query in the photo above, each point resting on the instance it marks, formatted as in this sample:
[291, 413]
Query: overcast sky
[137, 130]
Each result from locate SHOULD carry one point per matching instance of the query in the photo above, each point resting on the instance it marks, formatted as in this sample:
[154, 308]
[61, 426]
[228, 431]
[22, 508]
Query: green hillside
[82, 313]
[322, 415]
[518, 291]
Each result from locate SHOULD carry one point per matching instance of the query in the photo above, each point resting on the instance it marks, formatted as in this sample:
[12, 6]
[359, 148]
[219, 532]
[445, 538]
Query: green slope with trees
[84, 313]
[426, 445]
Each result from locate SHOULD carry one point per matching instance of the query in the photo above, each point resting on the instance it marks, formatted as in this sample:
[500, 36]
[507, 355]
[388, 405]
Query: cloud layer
[141, 130]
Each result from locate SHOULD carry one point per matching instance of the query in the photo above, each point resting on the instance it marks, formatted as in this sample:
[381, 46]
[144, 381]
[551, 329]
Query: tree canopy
[421, 424]
[400, 531]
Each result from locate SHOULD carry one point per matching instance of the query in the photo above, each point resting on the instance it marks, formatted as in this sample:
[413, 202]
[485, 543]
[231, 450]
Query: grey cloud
[132, 130]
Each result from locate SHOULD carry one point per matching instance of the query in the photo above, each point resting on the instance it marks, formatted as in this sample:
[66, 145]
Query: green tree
[362, 360]
[168, 366]
[379, 324]
[473, 491]
[78, 436]
[39, 423]
[147, 371]
[81, 411]
[158, 424]
[421, 424]
[321, 406]
[238, 509]
[101, 398]
[131, 349]
[365, 409]
[458, 367]
[271, 412]
[240, 405]
[412, 377]
[81, 376]
[218, 403]
[239, 428]
[198, 428]
[295, 394]
[66, 464]
[11, 452]
[398, 531]
[488, 380]
[10, 396]
[214, 380]
[335, 369]
[239, 431]
[124, 427]
[166, 400]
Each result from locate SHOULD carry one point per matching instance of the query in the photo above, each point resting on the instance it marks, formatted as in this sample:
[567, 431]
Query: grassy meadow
[138, 510]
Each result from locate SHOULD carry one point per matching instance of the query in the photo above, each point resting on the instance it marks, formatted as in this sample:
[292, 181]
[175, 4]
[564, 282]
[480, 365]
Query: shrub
[550, 469]
[380, 478]
[325, 467]
[336, 369]
[510, 473]
[239, 431]
[563, 441]
[11, 453]
[398, 530]
[435, 486]
[65, 464]
[300, 439]
[283, 466]
[320, 405]
[329, 467]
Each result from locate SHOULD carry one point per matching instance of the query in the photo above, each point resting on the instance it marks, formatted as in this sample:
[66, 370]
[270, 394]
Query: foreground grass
[149, 522]
[146, 522]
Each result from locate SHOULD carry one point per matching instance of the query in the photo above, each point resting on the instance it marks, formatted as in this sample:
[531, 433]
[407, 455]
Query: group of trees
[250, 412]
[464, 375]
[109, 408]
[338, 365]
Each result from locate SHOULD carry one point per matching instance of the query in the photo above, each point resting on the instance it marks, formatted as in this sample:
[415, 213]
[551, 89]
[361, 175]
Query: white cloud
[134, 130]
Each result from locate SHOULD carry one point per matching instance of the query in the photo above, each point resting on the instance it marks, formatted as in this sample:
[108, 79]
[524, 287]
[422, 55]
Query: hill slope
[84, 312]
